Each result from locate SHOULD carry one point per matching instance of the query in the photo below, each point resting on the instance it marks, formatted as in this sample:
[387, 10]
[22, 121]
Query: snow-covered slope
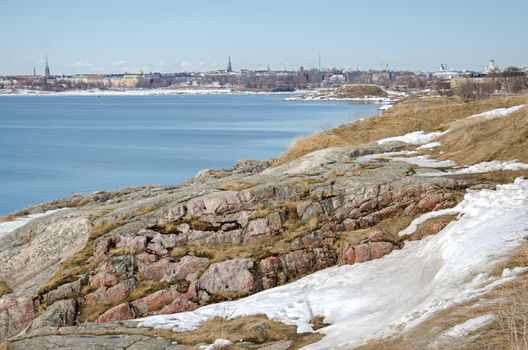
[372, 300]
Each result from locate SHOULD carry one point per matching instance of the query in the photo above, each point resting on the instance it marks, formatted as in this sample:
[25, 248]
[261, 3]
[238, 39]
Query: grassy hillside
[412, 115]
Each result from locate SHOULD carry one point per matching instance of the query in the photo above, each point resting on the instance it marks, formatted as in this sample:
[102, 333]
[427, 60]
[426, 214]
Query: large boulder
[154, 301]
[362, 253]
[348, 256]
[380, 249]
[231, 276]
[15, 314]
[187, 266]
[120, 312]
[59, 314]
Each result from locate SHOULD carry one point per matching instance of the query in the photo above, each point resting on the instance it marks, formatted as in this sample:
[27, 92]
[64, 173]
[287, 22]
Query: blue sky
[162, 35]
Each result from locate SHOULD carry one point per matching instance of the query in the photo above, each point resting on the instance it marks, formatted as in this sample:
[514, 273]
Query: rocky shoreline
[225, 234]
[172, 250]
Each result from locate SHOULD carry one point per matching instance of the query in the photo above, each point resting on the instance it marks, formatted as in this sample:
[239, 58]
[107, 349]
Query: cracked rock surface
[225, 234]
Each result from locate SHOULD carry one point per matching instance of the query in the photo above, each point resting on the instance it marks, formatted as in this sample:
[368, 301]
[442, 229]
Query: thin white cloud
[118, 63]
[186, 64]
[78, 64]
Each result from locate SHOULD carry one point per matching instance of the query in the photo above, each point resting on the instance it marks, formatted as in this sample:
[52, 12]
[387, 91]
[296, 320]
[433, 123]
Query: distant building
[338, 78]
[229, 67]
[47, 69]
[445, 73]
[491, 68]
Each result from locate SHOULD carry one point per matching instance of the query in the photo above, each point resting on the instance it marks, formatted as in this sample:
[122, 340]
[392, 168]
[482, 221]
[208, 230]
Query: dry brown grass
[145, 288]
[9, 217]
[224, 252]
[91, 313]
[70, 269]
[295, 228]
[426, 228]
[105, 227]
[359, 90]
[125, 251]
[518, 257]
[256, 329]
[511, 327]
[500, 177]
[248, 329]
[226, 296]
[78, 264]
[259, 213]
[236, 186]
[394, 224]
[510, 330]
[145, 210]
[481, 140]
[415, 114]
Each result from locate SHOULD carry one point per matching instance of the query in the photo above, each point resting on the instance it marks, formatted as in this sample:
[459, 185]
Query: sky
[172, 36]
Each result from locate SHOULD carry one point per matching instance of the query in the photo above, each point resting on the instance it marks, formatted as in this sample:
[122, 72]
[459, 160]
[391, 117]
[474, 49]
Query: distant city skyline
[167, 36]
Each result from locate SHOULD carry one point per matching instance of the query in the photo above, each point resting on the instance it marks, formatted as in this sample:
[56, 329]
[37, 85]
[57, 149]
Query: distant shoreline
[141, 92]
[300, 95]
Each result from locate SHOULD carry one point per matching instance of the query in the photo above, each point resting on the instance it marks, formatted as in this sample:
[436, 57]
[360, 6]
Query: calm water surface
[55, 146]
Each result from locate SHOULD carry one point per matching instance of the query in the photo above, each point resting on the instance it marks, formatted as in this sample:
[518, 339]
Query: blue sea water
[54, 146]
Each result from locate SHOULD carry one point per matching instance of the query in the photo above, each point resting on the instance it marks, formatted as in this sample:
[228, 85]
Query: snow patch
[414, 138]
[421, 161]
[430, 145]
[498, 112]
[425, 162]
[483, 167]
[367, 98]
[462, 330]
[218, 344]
[387, 155]
[367, 301]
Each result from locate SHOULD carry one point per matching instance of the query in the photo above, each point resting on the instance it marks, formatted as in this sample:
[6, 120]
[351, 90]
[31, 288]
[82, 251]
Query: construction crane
[387, 64]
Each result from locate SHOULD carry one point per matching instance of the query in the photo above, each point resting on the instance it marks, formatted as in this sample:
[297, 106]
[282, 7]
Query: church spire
[229, 67]
[47, 69]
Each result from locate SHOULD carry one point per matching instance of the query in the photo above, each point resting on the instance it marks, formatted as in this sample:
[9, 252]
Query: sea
[55, 146]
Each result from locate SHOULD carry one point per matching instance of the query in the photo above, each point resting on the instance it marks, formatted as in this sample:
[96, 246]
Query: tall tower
[229, 67]
[47, 70]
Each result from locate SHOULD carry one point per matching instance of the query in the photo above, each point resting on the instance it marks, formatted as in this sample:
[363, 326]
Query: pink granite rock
[379, 249]
[362, 253]
[120, 312]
